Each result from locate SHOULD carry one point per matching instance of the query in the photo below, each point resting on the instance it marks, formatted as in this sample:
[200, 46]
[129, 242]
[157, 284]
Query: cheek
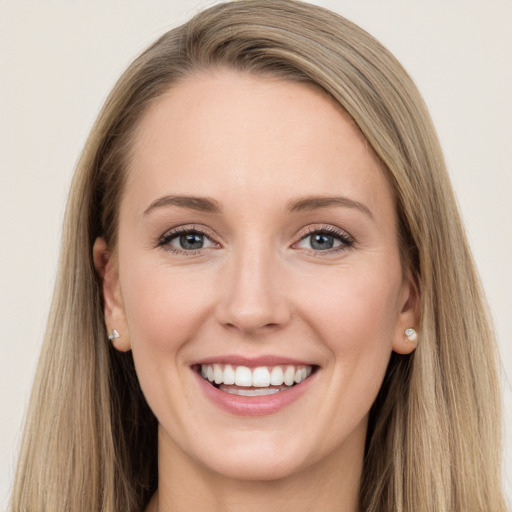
[356, 323]
[161, 306]
[355, 314]
[164, 310]
[355, 309]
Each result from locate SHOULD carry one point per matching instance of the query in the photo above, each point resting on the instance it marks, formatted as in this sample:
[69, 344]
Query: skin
[257, 287]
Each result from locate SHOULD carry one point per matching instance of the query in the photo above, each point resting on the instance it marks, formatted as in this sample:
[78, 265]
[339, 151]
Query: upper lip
[266, 360]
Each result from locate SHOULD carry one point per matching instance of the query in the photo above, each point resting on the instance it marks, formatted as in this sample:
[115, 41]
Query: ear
[115, 318]
[408, 317]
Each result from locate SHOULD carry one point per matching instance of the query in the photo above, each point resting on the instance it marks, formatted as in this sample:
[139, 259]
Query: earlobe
[406, 337]
[113, 307]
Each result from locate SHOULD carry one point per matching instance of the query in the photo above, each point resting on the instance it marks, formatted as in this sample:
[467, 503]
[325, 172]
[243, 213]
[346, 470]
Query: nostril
[251, 295]
[260, 317]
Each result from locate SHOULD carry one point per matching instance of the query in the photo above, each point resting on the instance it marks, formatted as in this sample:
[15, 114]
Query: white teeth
[243, 376]
[276, 377]
[229, 375]
[260, 377]
[218, 374]
[300, 375]
[289, 376]
[252, 392]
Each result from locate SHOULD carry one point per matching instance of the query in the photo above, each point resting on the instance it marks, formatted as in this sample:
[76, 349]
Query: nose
[254, 297]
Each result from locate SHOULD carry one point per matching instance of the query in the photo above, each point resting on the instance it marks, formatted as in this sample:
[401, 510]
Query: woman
[262, 224]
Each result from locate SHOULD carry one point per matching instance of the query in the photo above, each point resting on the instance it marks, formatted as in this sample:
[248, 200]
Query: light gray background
[59, 59]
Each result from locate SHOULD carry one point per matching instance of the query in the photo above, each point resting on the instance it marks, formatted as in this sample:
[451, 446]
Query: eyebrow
[318, 202]
[201, 204]
[208, 205]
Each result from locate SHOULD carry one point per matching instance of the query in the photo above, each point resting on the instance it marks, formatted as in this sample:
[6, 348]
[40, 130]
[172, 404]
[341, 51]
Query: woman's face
[257, 245]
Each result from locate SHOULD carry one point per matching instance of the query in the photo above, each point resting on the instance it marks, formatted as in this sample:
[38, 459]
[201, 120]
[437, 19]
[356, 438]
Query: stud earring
[411, 334]
[113, 336]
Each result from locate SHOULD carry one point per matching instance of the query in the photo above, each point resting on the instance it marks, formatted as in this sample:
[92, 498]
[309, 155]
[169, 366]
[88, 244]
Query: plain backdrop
[59, 59]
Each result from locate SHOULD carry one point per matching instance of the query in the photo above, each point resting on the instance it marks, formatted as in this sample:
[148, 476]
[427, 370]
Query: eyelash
[346, 240]
[165, 240]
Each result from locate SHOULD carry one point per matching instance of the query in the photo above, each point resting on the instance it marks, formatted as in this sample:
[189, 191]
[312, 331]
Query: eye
[325, 239]
[185, 240]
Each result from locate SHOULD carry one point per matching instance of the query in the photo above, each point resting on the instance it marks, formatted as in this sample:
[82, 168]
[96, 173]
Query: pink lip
[253, 362]
[254, 405]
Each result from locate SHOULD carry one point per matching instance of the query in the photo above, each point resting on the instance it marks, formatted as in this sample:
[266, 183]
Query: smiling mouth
[258, 381]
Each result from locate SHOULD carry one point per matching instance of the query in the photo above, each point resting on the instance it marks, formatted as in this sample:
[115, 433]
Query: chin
[257, 459]
[257, 470]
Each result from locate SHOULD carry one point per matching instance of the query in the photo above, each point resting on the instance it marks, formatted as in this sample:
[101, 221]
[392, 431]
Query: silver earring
[114, 335]
[411, 334]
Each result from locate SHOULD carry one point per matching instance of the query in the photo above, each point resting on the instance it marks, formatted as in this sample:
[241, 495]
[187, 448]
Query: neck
[330, 485]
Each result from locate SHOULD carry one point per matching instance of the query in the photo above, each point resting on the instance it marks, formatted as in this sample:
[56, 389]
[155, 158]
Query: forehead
[232, 135]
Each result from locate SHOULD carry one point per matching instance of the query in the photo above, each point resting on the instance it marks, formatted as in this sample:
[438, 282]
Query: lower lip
[254, 405]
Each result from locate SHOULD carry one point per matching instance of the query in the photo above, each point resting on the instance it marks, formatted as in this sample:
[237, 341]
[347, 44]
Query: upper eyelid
[327, 228]
[189, 228]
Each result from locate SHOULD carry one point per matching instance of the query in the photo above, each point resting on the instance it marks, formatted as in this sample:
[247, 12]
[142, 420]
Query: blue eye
[321, 242]
[191, 241]
[185, 240]
[325, 240]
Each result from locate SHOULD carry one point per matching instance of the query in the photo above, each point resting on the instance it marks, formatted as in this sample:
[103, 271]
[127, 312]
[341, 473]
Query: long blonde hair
[433, 440]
